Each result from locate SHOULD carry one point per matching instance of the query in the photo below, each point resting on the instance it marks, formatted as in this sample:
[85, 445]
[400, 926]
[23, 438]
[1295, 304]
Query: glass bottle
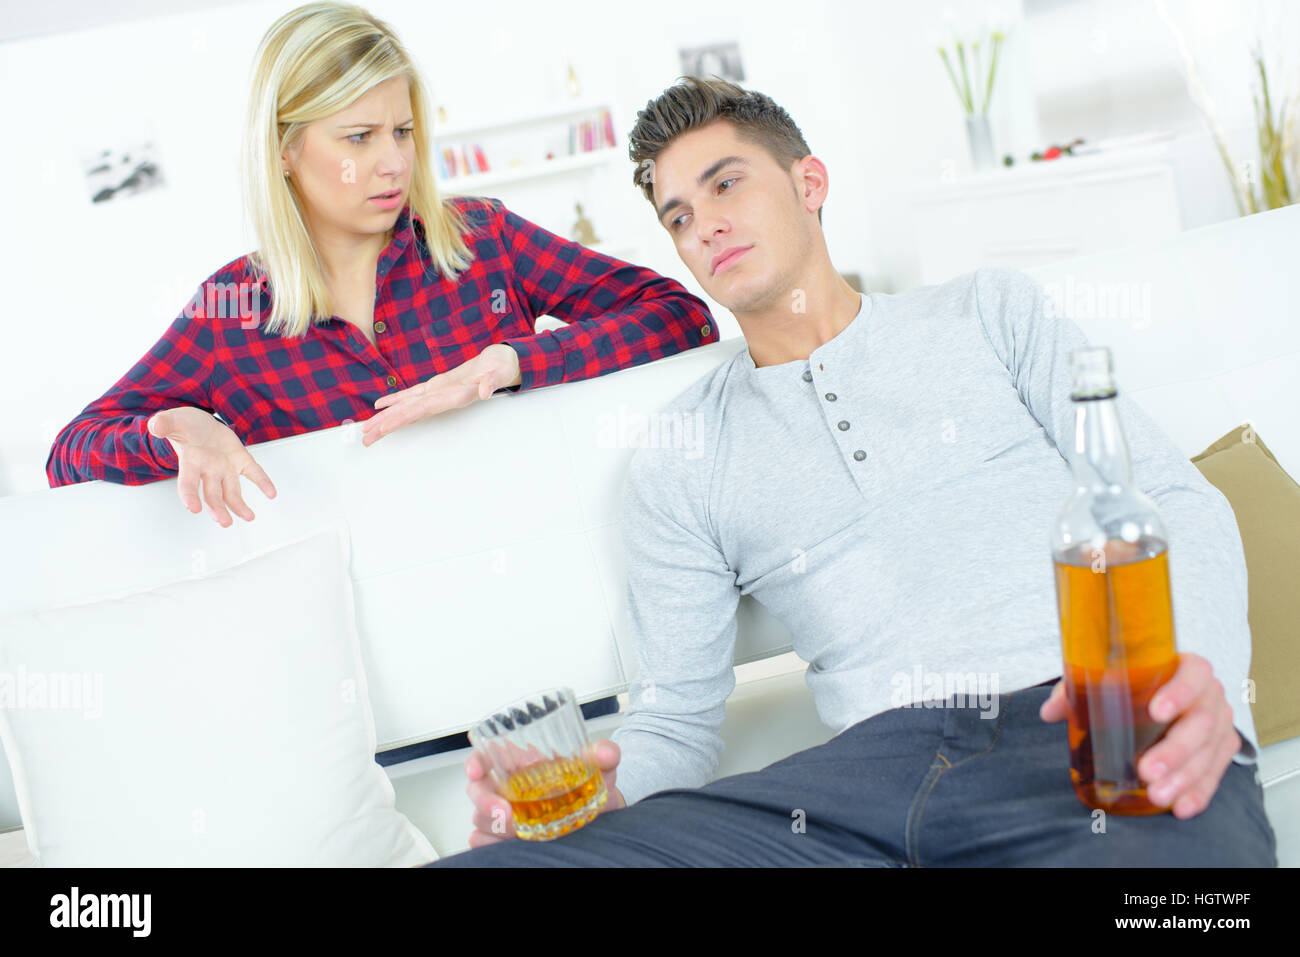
[1111, 560]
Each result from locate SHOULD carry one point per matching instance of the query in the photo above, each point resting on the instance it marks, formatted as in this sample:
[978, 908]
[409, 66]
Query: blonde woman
[370, 298]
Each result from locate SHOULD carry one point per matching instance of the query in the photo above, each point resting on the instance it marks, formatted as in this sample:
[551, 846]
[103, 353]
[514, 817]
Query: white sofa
[519, 496]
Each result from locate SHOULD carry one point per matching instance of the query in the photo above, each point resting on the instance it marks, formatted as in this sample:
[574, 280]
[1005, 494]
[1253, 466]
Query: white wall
[91, 288]
[1111, 67]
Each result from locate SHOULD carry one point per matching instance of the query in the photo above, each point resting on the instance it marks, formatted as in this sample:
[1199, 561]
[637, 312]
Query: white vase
[980, 136]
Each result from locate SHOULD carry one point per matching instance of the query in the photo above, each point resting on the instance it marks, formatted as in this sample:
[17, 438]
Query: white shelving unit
[560, 111]
[474, 183]
[539, 182]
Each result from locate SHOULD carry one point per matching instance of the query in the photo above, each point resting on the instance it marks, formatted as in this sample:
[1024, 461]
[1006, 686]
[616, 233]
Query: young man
[881, 472]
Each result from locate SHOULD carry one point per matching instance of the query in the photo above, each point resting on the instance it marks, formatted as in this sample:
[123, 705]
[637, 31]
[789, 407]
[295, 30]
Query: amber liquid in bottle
[551, 798]
[1110, 556]
[1117, 637]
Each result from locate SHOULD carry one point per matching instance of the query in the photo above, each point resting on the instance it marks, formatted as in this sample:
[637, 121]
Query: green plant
[966, 92]
[1276, 137]
[1276, 191]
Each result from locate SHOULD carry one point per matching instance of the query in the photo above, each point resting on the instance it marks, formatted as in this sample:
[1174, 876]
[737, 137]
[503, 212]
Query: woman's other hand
[496, 367]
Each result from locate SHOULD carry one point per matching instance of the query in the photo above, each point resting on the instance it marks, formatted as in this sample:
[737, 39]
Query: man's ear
[811, 181]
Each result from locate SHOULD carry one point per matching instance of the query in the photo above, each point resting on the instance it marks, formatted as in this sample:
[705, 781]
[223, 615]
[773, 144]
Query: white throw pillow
[219, 720]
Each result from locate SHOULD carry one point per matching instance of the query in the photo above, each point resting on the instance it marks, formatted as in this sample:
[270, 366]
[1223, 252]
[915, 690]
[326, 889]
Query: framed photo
[717, 59]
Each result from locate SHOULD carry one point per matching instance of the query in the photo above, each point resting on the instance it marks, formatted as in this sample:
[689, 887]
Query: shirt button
[859, 455]
[705, 330]
[391, 380]
[844, 426]
[830, 396]
[380, 326]
[807, 375]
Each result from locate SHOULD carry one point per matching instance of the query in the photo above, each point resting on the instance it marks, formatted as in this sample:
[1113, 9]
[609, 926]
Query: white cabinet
[1028, 215]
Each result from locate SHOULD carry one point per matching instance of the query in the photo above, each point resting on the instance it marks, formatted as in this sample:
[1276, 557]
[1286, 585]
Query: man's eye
[677, 222]
[726, 181]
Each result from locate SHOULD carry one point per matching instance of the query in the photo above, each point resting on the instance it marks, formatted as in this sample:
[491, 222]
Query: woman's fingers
[213, 496]
[259, 477]
[187, 486]
[234, 496]
[439, 397]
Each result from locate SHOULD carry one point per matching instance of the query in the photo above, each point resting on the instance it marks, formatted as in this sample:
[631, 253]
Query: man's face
[342, 161]
[735, 216]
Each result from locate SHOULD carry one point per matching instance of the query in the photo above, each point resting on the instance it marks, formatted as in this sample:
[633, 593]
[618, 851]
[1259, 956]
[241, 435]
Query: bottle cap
[1091, 375]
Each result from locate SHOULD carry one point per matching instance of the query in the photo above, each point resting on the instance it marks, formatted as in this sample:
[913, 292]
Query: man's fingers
[1189, 682]
[485, 797]
[482, 791]
[1198, 796]
[494, 819]
[473, 766]
[1189, 733]
[1057, 705]
[1179, 778]
[480, 839]
[607, 754]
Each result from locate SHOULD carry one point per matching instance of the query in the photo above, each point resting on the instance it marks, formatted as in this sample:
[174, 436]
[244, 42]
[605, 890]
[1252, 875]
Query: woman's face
[342, 161]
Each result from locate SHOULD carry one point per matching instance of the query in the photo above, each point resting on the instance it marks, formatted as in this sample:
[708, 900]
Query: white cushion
[219, 720]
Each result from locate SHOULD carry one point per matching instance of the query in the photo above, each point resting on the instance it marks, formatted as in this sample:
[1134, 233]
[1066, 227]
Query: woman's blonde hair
[313, 62]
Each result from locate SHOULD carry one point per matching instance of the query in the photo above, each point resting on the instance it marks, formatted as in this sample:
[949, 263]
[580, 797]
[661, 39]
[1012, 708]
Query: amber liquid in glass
[551, 798]
[1118, 641]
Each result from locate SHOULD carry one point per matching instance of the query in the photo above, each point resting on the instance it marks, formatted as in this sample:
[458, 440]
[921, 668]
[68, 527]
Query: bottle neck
[1100, 456]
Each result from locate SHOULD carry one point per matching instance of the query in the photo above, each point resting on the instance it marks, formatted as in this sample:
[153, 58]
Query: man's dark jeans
[912, 787]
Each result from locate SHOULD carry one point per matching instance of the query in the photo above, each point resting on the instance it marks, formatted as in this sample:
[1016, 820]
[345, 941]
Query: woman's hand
[496, 367]
[209, 452]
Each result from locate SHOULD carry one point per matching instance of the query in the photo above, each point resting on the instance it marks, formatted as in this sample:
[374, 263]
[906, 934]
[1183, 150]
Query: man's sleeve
[681, 599]
[109, 440]
[618, 314]
[1207, 564]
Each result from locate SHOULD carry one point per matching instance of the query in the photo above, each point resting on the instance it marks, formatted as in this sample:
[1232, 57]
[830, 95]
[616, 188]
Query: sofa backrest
[486, 556]
[1204, 327]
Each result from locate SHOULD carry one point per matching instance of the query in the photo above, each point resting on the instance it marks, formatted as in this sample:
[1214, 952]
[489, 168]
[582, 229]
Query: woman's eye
[405, 129]
[725, 182]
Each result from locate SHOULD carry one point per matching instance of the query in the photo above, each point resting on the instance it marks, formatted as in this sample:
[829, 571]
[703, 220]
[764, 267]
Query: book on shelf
[587, 132]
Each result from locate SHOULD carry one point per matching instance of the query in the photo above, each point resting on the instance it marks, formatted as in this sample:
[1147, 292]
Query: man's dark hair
[692, 103]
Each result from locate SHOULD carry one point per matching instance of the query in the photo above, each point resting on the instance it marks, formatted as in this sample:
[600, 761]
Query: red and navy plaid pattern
[216, 357]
